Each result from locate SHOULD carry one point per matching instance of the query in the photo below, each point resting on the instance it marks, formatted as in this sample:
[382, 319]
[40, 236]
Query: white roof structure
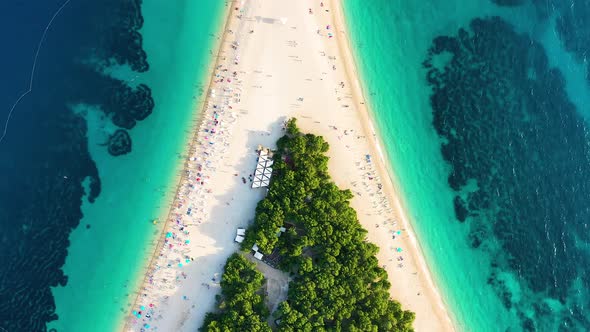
[255, 247]
[282, 229]
[263, 171]
[241, 231]
[258, 256]
[239, 239]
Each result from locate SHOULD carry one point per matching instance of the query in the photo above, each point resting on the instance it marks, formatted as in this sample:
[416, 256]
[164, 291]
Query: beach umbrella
[168, 235]
[142, 308]
[399, 249]
[179, 264]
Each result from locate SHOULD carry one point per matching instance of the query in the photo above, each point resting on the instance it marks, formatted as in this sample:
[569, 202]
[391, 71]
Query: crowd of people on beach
[371, 181]
[167, 272]
[372, 186]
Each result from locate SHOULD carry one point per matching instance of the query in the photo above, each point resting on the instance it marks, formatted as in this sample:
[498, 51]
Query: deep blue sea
[44, 155]
[483, 108]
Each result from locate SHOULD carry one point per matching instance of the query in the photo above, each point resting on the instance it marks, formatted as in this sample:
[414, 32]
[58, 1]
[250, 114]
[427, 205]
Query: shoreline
[166, 210]
[385, 167]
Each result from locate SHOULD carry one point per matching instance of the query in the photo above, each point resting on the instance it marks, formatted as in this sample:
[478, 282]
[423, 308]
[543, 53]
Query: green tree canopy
[337, 283]
[240, 307]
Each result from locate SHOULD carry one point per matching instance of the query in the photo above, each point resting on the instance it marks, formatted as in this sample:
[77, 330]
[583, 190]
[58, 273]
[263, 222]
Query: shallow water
[485, 128]
[177, 40]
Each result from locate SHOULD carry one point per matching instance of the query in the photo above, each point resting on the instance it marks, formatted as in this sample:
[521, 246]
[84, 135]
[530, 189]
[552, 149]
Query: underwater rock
[123, 120]
[141, 103]
[127, 106]
[119, 143]
[475, 240]
[123, 41]
[460, 211]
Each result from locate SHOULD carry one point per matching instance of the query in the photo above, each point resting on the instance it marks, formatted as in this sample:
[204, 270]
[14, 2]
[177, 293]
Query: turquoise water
[402, 115]
[491, 281]
[105, 260]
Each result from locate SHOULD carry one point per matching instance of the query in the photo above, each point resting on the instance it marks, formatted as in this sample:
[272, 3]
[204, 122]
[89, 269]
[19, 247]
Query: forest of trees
[240, 306]
[337, 284]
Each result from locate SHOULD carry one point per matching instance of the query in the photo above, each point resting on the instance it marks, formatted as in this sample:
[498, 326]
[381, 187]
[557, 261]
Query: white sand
[278, 65]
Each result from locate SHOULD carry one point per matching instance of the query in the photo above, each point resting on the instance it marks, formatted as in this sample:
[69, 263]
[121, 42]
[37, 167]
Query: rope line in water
[32, 69]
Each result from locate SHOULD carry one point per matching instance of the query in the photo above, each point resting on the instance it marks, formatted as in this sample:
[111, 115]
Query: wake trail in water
[57, 12]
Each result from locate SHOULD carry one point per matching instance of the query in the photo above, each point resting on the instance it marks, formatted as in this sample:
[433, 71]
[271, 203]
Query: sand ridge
[277, 59]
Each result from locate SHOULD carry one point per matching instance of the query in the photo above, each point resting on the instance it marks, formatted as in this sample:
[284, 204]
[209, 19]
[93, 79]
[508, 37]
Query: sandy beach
[277, 59]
